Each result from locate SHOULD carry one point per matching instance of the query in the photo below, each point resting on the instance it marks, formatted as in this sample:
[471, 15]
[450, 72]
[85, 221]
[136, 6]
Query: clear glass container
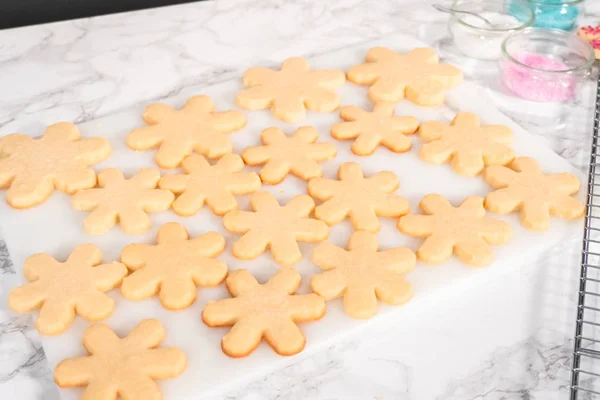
[476, 39]
[545, 65]
[556, 14]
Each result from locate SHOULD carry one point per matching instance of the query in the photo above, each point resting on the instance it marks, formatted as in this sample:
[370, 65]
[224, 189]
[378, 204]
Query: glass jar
[557, 14]
[545, 65]
[477, 39]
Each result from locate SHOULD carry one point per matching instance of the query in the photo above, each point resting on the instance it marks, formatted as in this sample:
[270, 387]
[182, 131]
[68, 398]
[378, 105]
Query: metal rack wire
[585, 380]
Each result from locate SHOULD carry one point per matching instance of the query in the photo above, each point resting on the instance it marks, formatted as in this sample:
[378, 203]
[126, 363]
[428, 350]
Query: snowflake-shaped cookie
[270, 311]
[362, 274]
[61, 289]
[536, 195]
[283, 154]
[177, 133]
[214, 184]
[275, 226]
[32, 168]
[468, 145]
[122, 368]
[464, 230]
[125, 200]
[363, 199]
[416, 75]
[291, 90]
[173, 267]
[370, 129]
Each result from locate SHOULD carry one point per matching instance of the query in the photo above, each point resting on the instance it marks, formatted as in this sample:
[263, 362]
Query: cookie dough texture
[370, 129]
[281, 155]
[122, 368]
[524, 187]
[32, 168]
[466, 144]
[417, 76]
[197, 127]
[362, 274]
[289, 92]
[173, 267]
[362, 199]
[124, 200]
[62, 289]
[216, 185]
[275, 226]
[270, 311]
[463, 230]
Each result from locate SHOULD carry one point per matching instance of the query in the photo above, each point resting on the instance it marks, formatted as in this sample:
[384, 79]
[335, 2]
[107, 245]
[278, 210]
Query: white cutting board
[56, 228]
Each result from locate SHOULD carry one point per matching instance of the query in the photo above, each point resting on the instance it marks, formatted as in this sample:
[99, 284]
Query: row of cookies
[176, 265]
[32, 169]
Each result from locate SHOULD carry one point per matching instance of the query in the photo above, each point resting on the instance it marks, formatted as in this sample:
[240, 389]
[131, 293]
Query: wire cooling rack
[585, 380]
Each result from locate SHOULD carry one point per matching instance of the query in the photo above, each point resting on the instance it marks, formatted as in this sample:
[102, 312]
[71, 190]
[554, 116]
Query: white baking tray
[56, 228]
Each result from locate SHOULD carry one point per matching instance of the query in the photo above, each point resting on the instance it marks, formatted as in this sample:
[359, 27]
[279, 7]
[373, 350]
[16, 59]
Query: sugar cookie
[416, 75]
[214, 184]
[32, 168]
[173, 267]
[177, 133]
[524, 187]
[122, 368]
[363, 199]
[125, 200]
[275, 226]
[291, 90]
[468, 145]
[61, 289]
[283, 154]
[370, 129]
[361, 274]
[464, 230]
[270, 311]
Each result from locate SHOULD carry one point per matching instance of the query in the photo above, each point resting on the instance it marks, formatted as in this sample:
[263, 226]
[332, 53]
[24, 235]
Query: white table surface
[495, 344]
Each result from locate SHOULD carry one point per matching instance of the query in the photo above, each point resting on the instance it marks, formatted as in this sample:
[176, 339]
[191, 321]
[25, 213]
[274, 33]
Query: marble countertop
[79, 70]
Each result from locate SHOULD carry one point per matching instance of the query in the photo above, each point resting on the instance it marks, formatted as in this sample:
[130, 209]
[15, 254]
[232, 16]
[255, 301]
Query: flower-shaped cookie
[464, 230]
[536, 195]
[363, 199]
[283, 154]
[122, 368]
[214, 184]
[362, 274]
[275, 226]
[177, 133]
[32, 168]
[589, 32]
[125, 200]
[468, 145]
[270, 311]
[173, 267]
[61, 289]
[291, 90]
[592, 35]
[416, 75]
[370, 129]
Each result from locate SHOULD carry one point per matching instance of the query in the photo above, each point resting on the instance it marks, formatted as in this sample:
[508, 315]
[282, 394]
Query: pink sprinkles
[538, 85]
[591, 30]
